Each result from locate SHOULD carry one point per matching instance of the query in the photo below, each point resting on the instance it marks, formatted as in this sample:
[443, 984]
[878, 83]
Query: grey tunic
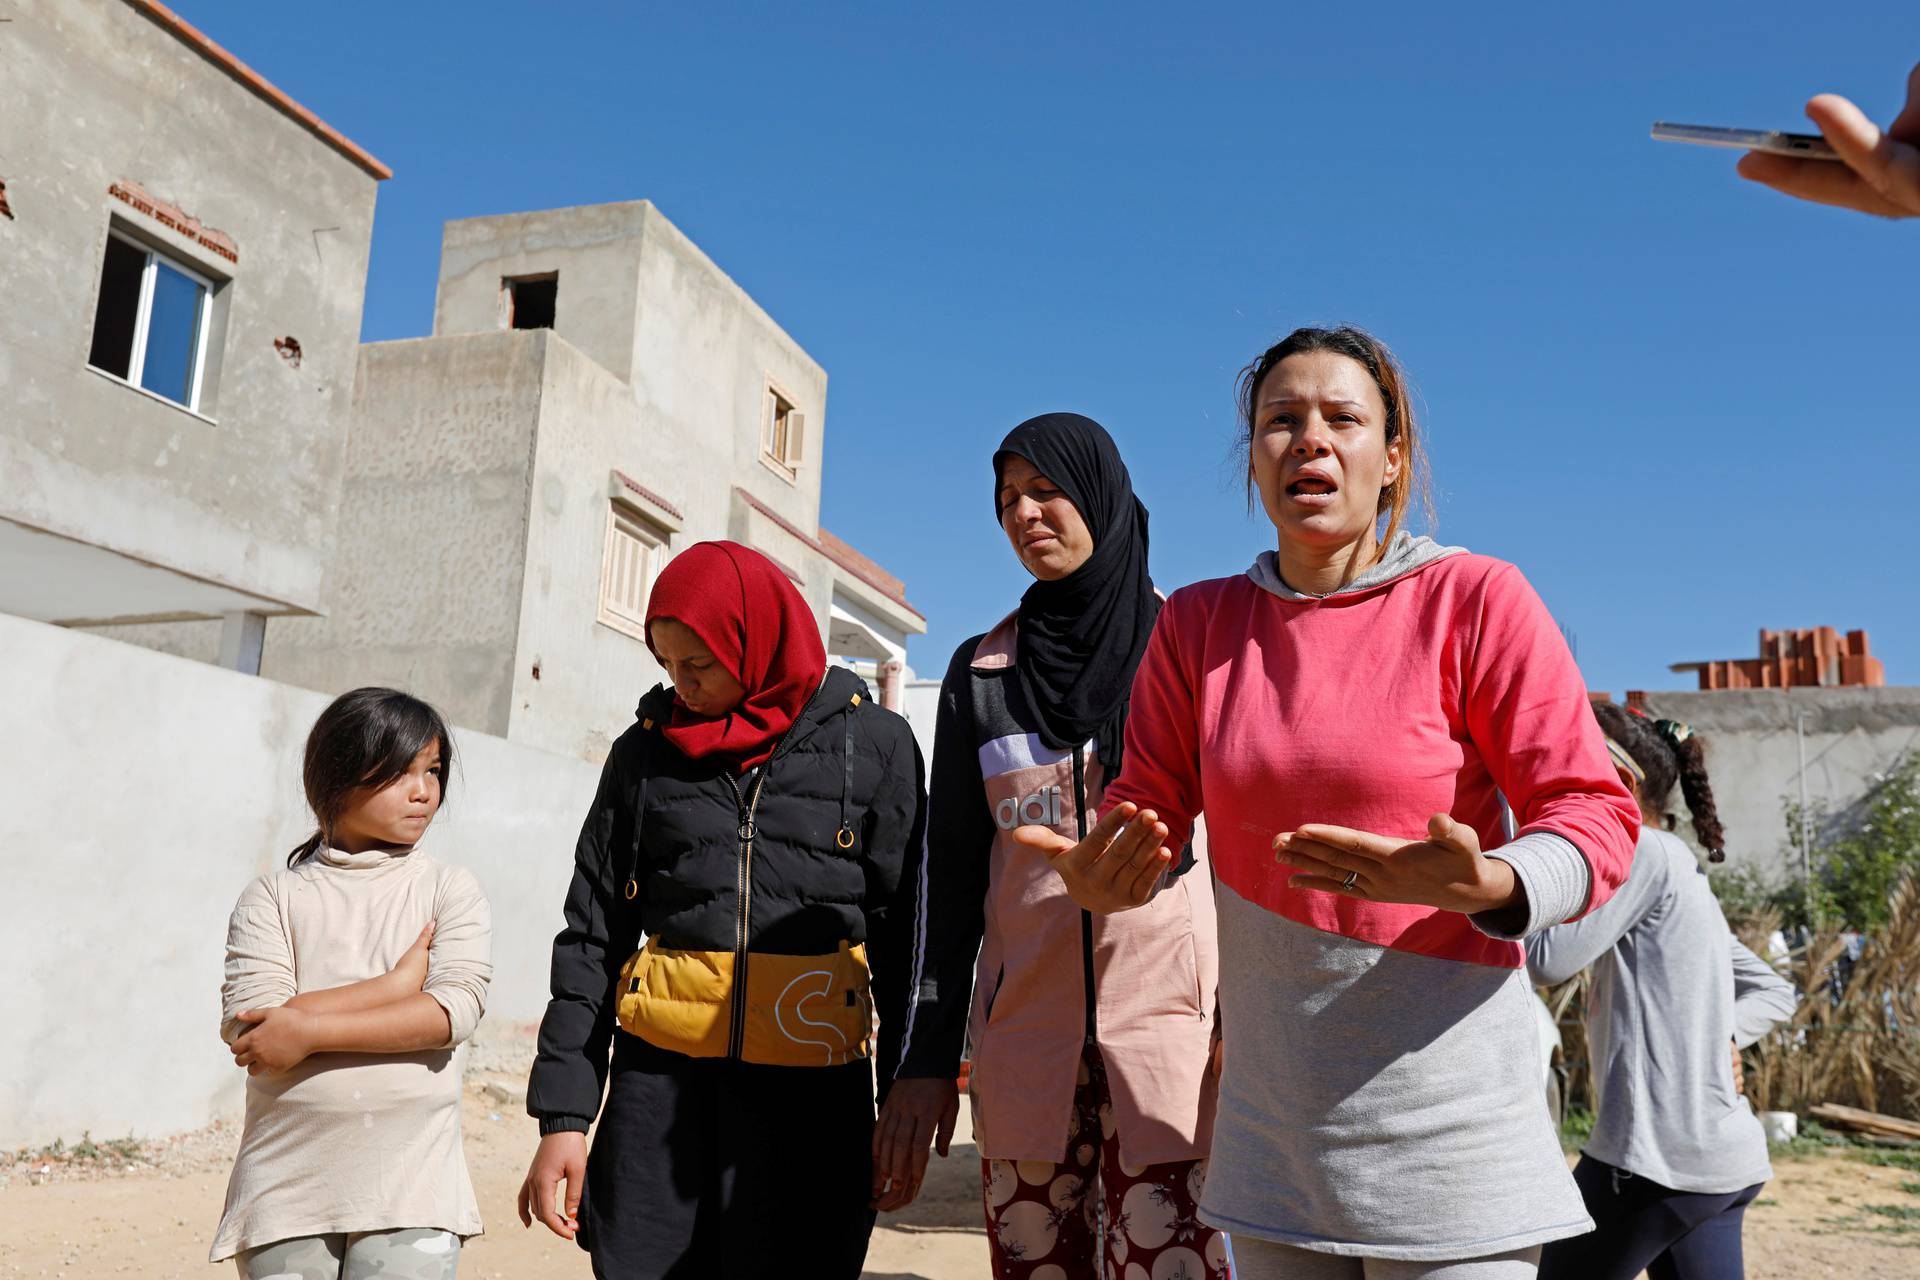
[1672, 988]
[1382, 1104]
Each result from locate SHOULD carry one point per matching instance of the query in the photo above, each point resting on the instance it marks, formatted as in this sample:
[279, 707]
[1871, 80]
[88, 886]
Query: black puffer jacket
[844, 760]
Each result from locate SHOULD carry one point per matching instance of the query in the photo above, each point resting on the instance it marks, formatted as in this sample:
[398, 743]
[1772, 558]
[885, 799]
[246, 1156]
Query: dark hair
[1668, 751]
[1402, 426]
[365, 738]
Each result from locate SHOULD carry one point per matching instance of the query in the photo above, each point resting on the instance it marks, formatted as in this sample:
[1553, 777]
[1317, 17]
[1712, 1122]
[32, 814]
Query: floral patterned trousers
[1047, 1221]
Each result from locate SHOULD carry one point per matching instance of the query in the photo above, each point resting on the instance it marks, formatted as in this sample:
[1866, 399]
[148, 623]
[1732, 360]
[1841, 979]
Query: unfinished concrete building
[596, 394]
[183, 255]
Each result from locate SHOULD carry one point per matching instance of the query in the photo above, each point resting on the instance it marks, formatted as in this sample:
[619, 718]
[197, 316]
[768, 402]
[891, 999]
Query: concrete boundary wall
[1756, 740]
[141, 792]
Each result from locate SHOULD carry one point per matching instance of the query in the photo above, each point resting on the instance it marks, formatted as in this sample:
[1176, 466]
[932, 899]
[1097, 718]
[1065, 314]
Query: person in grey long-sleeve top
[1676, 1154]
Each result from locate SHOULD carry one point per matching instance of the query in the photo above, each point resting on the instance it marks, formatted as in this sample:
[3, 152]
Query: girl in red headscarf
[730, 929]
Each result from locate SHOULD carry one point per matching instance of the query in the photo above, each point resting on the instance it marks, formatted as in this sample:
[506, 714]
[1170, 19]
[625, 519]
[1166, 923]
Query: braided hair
[1668, 752]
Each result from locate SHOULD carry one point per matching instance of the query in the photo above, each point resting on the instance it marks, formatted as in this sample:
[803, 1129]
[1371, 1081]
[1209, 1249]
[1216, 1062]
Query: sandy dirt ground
[153, 1214]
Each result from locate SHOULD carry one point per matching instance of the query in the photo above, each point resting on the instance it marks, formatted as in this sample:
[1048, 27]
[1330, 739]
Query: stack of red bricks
[1819, 658]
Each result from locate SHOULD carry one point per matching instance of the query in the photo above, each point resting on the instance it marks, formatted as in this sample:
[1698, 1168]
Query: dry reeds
[1858, 1045]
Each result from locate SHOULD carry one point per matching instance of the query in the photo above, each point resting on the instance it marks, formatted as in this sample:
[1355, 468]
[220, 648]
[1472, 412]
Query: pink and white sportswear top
[1382, 1094]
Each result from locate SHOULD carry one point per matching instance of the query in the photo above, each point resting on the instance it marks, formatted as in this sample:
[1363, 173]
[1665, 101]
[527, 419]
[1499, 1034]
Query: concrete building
[596, 393]
[183, 253]
[197, 456]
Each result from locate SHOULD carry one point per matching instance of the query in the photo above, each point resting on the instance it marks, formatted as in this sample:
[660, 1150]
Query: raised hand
[1446, 870]
[1118, 865]
[1881, 173]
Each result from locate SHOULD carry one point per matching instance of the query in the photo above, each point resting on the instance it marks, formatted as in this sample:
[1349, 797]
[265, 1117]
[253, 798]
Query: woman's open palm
[1116, 867]
[1446, 870]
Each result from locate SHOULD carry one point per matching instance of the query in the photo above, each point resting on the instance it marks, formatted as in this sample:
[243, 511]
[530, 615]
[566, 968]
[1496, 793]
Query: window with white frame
[635, 551]
[151, 321]
[782, 433]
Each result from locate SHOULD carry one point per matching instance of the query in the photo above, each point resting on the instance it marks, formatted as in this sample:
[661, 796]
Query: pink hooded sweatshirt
[1381, 1096]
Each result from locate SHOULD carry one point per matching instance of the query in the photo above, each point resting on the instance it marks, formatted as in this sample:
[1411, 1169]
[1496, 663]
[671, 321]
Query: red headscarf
[745, 610]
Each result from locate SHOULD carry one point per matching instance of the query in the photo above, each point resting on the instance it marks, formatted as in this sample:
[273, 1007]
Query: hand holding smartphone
[1851, 164]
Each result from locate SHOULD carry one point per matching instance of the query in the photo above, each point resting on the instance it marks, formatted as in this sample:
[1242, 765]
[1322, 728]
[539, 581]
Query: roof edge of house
[213, 52]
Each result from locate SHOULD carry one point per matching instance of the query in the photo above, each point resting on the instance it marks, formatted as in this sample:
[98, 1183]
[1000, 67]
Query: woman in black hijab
[1083, 1079]
[1082, 634]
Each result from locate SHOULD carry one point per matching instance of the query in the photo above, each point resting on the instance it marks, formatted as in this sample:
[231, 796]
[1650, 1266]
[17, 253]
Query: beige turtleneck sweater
[350, 1142]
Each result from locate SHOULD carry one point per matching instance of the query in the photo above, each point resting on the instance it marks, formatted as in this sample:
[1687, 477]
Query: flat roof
[201, 43]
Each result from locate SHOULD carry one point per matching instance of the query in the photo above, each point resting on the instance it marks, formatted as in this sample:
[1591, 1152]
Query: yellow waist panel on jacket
[801, 1011]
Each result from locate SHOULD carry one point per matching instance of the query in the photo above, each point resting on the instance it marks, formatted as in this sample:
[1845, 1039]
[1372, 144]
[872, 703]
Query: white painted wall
[141, 793]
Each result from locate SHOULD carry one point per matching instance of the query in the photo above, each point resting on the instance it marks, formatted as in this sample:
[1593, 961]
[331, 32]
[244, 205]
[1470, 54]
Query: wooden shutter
[796, 437]
[626, 574]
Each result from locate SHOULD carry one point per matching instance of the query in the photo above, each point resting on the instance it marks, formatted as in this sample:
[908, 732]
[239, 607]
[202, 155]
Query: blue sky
[1683, 405]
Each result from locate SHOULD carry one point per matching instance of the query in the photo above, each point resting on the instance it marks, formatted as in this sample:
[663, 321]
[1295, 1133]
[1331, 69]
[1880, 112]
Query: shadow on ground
[949, 1199]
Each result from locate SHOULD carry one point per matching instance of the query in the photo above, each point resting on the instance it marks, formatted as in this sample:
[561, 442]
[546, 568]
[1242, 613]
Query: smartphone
[1807, 146]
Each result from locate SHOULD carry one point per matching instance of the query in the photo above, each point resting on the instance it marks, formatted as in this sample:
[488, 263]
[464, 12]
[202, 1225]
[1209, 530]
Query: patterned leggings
[1043, 1225]
[412, 1254]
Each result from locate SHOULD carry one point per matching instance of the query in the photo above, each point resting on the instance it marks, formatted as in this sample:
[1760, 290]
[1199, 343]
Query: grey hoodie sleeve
[1557, 880]
[1558, 953]
[1761, 997]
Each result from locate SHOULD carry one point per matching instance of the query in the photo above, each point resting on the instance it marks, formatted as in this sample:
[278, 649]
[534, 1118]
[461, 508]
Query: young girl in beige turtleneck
[350, 977]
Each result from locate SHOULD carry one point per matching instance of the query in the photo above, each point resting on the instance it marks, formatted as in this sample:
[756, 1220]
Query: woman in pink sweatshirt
[1348, 714]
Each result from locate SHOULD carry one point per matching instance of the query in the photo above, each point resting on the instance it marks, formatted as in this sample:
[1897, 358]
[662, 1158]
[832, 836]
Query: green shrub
[1575, 1129]
[1856, 859]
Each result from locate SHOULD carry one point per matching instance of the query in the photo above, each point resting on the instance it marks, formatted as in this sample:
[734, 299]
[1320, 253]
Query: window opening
[531, 301]
[781, 433]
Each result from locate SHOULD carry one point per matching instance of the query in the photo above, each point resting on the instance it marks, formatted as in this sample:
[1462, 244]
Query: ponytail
[305, 849]
[1691, 755]
[1667, 751]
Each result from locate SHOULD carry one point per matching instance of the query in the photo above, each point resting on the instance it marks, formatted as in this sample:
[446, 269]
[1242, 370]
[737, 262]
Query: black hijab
[1082, 636]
